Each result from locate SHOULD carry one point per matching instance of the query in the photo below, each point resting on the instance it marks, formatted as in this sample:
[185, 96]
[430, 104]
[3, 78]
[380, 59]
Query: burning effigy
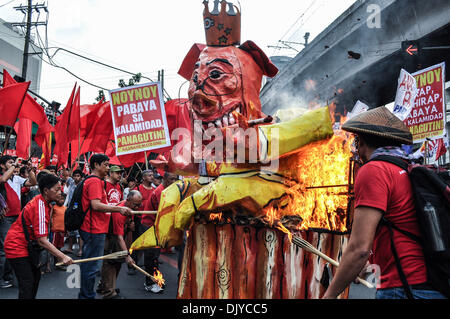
[257, 196]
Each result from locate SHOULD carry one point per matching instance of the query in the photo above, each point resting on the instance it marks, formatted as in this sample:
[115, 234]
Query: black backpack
[432, 202]
[74, 215]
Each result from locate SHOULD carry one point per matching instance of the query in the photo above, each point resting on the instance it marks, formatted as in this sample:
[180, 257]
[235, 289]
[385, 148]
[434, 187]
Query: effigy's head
[224, 77]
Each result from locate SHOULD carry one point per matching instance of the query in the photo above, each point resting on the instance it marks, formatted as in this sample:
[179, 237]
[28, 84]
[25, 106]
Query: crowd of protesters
[32, 211]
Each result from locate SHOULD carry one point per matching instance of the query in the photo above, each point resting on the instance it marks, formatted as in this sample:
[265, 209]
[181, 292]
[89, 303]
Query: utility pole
[28, 11]
[27, 40]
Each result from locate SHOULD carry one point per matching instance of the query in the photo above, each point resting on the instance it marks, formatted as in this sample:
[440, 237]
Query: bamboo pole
[307, 246]
[116, 255]
[146, 162]
[144, 212]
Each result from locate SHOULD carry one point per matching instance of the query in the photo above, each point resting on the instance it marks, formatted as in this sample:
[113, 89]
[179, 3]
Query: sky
[150, 35]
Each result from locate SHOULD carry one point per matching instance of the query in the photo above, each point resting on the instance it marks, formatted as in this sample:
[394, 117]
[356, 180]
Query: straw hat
[380, 122]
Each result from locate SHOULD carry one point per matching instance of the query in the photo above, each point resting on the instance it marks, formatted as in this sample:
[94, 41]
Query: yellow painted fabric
[287, 137]
[250, 194]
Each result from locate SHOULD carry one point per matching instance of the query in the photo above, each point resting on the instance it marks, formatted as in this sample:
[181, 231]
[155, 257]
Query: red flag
[23, 143]
[31, 110]
[62, 131]
[101, 131]
[441, 149]
[7, 79]
[11, 99]
[74, 128]
[111, 153]
[177, 114]
[88, 117]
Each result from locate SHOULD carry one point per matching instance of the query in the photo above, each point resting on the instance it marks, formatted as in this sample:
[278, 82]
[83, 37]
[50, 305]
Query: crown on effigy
[222, 28]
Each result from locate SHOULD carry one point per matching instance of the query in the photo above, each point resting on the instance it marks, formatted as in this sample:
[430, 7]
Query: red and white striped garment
[37, 217]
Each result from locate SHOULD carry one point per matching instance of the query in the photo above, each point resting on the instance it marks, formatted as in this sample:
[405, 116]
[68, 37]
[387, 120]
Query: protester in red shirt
[10, 187]
[151, 255]
[384, 190]
[113, 197]
[36, 215]
[95, 225]
[114, 192]
[148, 186]
[115, 242]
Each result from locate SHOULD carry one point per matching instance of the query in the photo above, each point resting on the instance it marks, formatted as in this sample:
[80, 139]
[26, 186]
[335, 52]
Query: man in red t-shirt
[151, 255]
[382, 189]
[96, 223]
[10, 187]
[36, 217]
[114, 192]
[113, 197]
[115, 242]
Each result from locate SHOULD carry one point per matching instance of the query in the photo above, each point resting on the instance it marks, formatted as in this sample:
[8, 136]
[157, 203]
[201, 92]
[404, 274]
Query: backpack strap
[401, 274]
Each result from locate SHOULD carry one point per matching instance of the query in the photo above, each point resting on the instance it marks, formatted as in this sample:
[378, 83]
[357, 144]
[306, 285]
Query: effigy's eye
[215, 74]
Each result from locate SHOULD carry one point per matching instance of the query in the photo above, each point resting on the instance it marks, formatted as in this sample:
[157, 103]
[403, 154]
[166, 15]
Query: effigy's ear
[269, 69]
[187, 66]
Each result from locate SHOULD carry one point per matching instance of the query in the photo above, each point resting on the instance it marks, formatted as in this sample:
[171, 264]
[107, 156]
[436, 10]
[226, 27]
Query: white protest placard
[405, 96]
[139, 118]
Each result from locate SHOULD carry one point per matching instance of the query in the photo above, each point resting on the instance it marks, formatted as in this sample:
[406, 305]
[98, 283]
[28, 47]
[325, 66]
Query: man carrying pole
[115, 242]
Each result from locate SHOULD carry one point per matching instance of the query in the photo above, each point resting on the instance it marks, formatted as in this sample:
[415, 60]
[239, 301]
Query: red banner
[139, 118]
[427, 118]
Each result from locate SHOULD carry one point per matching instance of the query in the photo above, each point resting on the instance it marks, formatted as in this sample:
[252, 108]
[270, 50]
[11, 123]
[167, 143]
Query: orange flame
[159, 278]
[319, 193]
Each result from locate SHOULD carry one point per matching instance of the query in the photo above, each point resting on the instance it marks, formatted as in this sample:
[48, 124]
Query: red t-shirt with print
[387, 187]
[95, 222]
[37, 217]
[113, 193]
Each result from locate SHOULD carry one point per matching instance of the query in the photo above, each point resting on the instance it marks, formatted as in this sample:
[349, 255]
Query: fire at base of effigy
[232, 254]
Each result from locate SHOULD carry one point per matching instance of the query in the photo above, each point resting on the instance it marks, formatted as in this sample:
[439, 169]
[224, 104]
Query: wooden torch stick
[116, 255]
[306, 245]
[147, 274]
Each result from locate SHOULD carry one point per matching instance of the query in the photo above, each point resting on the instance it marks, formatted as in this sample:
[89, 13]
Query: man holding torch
[383, 189]
[115, 242]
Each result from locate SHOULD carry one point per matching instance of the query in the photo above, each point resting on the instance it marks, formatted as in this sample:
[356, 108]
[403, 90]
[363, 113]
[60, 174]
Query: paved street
[55, 285]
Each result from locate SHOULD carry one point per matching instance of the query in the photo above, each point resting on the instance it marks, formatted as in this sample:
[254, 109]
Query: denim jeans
[93, 246]
[6, 272]
[399, 293]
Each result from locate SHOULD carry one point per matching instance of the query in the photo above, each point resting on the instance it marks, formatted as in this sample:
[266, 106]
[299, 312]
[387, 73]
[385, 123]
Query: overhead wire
[7, 3]
[45, 49]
